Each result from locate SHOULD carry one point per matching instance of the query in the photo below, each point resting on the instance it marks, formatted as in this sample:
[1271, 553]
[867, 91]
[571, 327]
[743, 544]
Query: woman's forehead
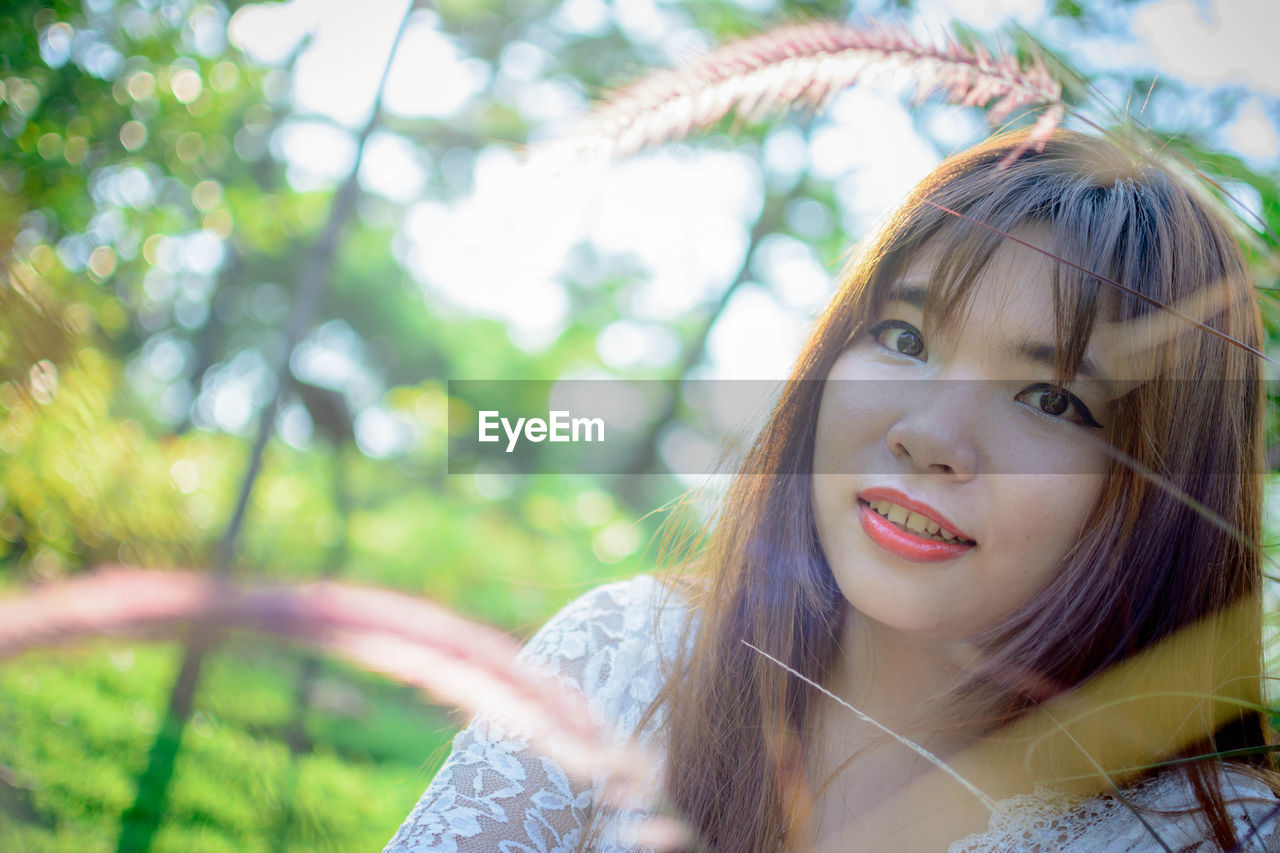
[947, 273]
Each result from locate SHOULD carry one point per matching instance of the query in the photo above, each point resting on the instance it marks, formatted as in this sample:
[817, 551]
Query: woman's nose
[934, 433]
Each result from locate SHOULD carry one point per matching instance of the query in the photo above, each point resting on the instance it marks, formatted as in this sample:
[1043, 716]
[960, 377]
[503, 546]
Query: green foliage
[78, 728]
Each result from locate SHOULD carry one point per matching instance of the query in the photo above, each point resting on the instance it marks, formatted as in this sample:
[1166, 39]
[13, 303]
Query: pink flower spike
[804, 65]
[461, 663]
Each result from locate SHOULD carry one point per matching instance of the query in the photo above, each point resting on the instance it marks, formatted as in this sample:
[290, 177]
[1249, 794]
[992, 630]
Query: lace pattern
[1047, 820]
[495, 793]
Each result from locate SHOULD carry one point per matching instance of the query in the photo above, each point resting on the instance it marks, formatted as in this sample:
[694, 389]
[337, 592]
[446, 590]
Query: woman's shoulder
[1251, 806]
[1160, 812]
[611, 641]
[607, 616]
[615, 597]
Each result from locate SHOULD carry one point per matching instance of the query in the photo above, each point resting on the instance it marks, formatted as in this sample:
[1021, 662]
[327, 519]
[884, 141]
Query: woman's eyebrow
[1047, 355]
[911, 292]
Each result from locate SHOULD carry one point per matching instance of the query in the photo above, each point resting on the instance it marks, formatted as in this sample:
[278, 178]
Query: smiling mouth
[915, 524]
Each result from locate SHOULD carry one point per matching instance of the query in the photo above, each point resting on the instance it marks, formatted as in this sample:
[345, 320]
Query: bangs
[1090, 233]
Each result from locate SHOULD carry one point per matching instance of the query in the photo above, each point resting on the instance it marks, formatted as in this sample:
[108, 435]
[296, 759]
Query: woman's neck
[861, 775]
[890, 676]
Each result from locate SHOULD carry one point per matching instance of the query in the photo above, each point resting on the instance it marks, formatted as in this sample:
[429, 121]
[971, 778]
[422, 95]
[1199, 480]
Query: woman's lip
[879, 493]
[904, 543]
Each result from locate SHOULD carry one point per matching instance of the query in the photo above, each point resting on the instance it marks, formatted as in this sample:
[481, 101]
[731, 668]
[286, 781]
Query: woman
[1009, 511]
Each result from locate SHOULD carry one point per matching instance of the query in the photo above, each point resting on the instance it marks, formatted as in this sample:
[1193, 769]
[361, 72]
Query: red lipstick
[904, 543]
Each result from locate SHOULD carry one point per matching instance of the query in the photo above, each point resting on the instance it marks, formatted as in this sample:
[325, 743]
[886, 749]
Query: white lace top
[495, 793]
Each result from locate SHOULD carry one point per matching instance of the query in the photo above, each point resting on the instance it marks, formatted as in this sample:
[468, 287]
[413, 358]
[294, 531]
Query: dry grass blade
[908, 743]
[461, 663]
[807, 64]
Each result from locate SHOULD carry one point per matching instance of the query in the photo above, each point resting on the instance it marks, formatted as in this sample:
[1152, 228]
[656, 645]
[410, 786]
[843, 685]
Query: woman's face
[950, 475]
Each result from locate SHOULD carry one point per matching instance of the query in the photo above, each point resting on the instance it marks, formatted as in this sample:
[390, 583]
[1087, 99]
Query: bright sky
[679, 214]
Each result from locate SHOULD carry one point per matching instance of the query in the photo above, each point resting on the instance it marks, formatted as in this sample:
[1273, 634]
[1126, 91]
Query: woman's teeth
[915, 522]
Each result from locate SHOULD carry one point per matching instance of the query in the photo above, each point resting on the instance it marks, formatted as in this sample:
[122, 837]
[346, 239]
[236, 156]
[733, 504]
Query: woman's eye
[899, 337]
[1059, 403]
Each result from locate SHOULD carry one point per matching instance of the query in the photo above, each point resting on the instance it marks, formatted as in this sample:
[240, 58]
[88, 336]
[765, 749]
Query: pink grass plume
[459, 662]
[806, 65]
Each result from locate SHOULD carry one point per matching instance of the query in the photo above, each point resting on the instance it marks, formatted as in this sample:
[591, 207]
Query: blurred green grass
[79, 726]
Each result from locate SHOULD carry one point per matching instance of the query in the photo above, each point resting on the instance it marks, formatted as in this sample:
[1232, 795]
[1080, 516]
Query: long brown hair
[1171, 544]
